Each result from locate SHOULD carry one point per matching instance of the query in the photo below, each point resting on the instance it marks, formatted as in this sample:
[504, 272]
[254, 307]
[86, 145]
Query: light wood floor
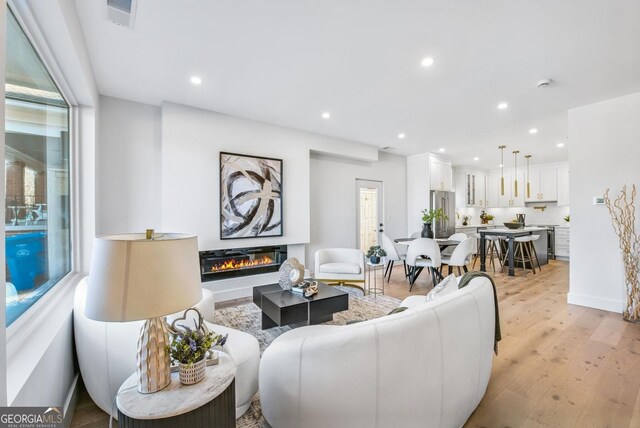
[558, 365]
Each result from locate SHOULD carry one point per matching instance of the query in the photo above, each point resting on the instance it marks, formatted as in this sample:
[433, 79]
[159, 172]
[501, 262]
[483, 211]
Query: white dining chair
[460, 256]
[459, 236]
[416, 261]
[392, 256]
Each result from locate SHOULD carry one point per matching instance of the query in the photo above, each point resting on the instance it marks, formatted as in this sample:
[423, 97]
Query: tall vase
[427, 232]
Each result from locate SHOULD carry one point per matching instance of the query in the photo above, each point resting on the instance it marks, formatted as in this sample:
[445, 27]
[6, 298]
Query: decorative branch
[623, 218]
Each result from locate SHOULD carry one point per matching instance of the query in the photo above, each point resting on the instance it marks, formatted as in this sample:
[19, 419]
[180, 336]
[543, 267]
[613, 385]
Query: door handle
[381, 230]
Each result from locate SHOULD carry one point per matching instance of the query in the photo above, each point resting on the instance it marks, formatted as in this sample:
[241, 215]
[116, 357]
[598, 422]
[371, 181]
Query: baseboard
[595, 302]
[72, 401]
[236, 293]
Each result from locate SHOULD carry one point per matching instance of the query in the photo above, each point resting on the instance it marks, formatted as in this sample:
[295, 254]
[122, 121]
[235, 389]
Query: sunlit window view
[36, 177]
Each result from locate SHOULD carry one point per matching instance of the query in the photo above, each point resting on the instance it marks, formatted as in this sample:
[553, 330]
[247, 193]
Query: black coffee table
[281, 307]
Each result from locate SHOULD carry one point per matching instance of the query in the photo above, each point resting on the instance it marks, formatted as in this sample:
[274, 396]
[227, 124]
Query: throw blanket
[466, 279]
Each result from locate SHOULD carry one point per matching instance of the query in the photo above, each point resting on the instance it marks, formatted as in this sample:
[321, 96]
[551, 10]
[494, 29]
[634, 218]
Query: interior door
[369, 213]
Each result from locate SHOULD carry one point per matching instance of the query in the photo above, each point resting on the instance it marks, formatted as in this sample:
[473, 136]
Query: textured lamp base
[153, 365]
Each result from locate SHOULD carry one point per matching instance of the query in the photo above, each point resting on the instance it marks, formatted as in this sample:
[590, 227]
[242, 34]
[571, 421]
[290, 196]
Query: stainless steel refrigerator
[447, 201]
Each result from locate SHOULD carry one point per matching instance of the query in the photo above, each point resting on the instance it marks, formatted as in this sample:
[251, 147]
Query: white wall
[160, 167]
[333, 198]
[128, 173]
[192, 140]
[604, 152]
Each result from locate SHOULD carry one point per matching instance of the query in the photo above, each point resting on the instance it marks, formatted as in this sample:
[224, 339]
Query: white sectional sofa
[107, 353]
[428, 366]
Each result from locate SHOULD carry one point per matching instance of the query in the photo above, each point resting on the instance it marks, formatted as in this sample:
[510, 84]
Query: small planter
[374, 259]
[192, 373]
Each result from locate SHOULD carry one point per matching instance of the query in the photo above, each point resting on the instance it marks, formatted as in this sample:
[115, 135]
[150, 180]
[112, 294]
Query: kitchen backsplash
[551, 215]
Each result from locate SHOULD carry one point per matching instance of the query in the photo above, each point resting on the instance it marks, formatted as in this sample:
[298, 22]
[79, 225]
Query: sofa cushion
[349, 268]
[446, 286]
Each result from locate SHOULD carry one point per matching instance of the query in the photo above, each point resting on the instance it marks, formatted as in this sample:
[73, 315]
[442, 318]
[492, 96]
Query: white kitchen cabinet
[441, 174]
[543, 185]
[493, 190]
[511, 198]
[470, 187]
[562, 242]
[563, 186]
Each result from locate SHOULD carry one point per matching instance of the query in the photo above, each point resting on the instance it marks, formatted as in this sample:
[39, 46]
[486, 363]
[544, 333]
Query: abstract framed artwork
[250, 196]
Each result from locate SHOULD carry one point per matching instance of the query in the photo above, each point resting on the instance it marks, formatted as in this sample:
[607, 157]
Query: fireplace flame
[234, 264]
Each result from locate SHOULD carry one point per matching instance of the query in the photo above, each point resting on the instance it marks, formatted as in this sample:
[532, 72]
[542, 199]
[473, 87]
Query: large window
[37, 243]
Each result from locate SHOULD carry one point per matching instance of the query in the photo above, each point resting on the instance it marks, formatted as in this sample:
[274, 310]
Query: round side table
[208, 403]
[371, 270]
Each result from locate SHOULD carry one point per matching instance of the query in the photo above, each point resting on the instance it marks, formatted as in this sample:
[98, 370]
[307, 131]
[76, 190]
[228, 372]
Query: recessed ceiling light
[533, 131]
[196, 80]
[401, 136]
[441, 149]
[427, 62]
[326, 115]
[560, 145]
[500, 166]
[476, 158]
[502, 106]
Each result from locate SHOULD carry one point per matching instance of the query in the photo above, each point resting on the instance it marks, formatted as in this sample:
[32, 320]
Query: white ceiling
[287, 61]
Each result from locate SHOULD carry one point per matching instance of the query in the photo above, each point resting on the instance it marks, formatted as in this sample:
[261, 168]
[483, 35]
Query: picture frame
[251, 202]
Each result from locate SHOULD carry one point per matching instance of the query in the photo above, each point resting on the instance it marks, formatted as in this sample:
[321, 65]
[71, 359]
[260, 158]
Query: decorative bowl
[514, 225]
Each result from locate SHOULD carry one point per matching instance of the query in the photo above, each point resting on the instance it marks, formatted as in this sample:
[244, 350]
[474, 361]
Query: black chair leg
[387, 274]
[465, 269]
[450, 270]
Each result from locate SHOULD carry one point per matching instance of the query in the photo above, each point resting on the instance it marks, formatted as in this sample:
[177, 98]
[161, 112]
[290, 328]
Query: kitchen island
[510, 234]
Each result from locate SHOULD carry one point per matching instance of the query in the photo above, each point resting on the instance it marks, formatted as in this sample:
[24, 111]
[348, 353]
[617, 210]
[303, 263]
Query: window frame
[43, 302]
[29, 337]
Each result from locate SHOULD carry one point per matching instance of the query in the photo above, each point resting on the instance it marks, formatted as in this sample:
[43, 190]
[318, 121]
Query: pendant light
[528, 182]
[515, 172]
[501, 169]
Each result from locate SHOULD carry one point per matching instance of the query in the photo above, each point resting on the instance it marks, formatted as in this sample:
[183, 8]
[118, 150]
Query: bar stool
[492, 251]
[524, 244]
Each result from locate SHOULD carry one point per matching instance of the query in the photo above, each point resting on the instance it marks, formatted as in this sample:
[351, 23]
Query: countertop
[525, 229]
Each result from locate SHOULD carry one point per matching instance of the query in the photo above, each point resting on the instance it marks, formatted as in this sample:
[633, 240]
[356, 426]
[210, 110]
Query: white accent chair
[419, 249]
[340, 266]
[460, 256]
[392, 256]
[358, 375]
[107, 352]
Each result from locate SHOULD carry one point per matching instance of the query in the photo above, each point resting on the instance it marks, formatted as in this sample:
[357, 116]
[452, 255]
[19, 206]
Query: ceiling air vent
[122, 12]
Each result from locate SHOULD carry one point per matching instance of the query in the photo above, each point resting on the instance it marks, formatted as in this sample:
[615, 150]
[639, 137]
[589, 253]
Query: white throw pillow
[446, 286]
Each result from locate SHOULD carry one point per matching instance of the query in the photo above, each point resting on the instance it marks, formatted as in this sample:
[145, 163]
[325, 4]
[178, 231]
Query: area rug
[247, 317]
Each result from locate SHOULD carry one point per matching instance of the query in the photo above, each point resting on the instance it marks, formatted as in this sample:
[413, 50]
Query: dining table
[442, 243]
[510, 235]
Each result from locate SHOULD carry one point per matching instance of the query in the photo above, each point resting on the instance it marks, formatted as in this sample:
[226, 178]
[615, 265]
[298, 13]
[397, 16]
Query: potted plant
[489, 218]
[428, 216]
[465, 220]
[189, 349]
[567, 218]
[374, 254]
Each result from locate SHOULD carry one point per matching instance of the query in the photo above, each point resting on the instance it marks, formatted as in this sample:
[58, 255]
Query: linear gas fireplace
[235, 262]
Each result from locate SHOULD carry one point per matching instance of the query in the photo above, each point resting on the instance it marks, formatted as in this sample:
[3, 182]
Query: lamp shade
[134, 278]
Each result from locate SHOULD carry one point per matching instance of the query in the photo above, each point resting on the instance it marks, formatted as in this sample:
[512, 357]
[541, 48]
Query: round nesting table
[208, 403]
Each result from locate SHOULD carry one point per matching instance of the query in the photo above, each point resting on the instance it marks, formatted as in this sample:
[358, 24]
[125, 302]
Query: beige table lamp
[135, 278]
